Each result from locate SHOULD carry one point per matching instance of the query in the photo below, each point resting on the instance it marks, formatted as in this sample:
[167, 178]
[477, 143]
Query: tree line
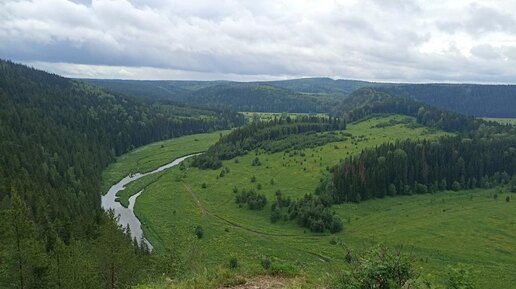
[263, 135]
[423, 166]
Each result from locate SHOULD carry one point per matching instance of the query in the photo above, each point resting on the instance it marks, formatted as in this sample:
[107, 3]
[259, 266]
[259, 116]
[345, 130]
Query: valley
[438, 230]
[257, 144]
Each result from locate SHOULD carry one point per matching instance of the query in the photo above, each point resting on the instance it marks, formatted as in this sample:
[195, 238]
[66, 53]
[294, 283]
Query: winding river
[126, 216]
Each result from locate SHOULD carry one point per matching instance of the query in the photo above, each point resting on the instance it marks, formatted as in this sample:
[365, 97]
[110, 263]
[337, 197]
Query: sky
[378, 40]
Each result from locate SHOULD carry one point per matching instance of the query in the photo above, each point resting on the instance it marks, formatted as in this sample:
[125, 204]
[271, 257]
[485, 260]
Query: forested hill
[318, 94]
[468, 99]
[297, 95]
[368, 101]
[56, 135]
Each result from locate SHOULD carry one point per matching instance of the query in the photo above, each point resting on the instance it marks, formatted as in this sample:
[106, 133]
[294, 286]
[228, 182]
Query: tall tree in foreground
[22, 254]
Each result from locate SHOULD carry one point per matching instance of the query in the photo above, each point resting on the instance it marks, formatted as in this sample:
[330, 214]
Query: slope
[56, 135]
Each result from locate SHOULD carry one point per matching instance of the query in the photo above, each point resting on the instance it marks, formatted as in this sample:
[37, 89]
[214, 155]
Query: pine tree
[25, 263]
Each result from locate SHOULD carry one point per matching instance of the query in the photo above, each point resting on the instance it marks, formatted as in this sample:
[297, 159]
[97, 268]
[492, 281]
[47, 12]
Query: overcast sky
[381, 40]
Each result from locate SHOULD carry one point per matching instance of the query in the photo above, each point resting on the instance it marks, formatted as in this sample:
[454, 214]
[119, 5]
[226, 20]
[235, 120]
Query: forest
[56, 136]
[319, 94]
[269, 136]
[420, 167]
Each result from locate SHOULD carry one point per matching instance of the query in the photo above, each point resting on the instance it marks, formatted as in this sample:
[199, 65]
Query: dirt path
[205, 211]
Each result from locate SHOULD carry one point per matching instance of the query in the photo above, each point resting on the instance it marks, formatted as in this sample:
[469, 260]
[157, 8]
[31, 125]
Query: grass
[149, 157]
[502, 120]
[442, 229]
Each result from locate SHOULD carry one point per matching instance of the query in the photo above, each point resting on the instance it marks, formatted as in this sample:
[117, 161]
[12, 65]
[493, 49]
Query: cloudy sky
[382, 40]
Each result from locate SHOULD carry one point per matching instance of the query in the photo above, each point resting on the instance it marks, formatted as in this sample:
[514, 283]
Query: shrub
[456, 186]
[335, 226]
[233, 263]
[253, 179]
[204, 186]
[512, 185]
[199, 232]
[507, 199]
[253, 200]
[459, 277]
[377, 268]
[275, 215]
[266, 263]
[256, 162]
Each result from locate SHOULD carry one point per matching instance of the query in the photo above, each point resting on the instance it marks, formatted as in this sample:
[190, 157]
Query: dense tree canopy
[267, 135]
[56, 135]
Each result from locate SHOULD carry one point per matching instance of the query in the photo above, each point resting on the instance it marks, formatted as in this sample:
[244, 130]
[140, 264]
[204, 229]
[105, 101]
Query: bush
[459, 277]
[507, 199]
[204, 186]
[233, 263]
[377, 268]
[266, 263]
[512, 184]
[335, 226]
[256, 162]
[456, 186]
[199, 232]
[253, 179]
[253, 200]
[275, 215]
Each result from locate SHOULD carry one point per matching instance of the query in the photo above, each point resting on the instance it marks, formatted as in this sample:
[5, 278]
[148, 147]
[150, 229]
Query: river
[126, 216]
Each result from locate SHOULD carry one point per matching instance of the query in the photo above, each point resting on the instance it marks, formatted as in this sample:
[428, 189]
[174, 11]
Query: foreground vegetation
[438, 229]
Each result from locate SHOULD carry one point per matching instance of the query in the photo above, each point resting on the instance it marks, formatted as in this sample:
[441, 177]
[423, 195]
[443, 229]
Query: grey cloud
[376, 40]
[481, 19]
[485, 51]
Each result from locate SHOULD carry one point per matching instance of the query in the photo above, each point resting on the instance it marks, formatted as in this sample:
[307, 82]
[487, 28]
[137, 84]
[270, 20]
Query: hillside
[301, 192]
[240, 96]
[318, 94]
[469, 99]
[434, 228]
[57, 135]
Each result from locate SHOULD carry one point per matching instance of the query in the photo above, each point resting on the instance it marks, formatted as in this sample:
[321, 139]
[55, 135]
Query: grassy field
[502, 120]
[439, 230]
[152, 156]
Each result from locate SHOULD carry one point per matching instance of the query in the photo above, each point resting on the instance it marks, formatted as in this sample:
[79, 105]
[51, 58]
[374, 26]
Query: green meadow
[152, 156]
[471, 227]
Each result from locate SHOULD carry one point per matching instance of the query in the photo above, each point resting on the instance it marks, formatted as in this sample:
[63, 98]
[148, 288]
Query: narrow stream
[126, 215]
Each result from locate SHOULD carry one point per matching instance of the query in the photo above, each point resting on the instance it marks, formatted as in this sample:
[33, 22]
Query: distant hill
[297, 95]
[321, 85]
[469, 99]
[318, 94]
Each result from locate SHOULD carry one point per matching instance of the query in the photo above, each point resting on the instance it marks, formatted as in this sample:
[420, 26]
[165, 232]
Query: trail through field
[205, 211]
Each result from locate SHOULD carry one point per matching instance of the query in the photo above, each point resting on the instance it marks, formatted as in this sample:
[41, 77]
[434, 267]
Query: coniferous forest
[56, 136]
[242, 144]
